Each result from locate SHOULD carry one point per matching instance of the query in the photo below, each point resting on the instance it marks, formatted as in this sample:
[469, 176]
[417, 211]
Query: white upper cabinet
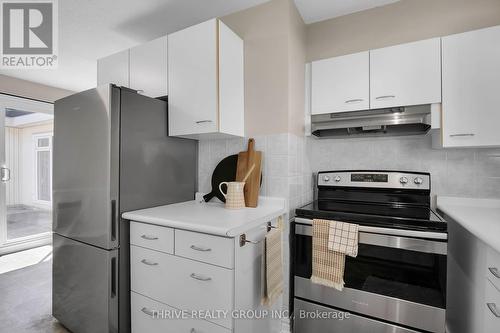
[148, 68]
[114, 69]
[205, 67]
[471, 89]
[340, 84]
[406, 74]
[142, 68]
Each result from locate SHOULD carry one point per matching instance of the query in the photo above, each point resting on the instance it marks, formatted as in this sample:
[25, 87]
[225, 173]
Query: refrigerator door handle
[114, 278]
[113, 220]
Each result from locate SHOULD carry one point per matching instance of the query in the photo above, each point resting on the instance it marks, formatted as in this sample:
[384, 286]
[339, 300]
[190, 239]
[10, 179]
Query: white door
[406, 74]
[471, 86]
[341, 84]
[192, 80]
[114, 69]
[148, 68]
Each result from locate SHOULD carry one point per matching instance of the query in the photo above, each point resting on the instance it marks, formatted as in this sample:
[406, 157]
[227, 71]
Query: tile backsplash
[286, 170]
[290, 163]
[454, 172]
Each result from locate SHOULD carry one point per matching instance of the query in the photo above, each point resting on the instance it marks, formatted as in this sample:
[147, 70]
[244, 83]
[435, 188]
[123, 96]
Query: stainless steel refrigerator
[111, 154]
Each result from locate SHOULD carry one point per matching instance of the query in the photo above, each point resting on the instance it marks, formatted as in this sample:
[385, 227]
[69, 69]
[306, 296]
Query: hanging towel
[343, 238]
[273, 266]
[327, 266]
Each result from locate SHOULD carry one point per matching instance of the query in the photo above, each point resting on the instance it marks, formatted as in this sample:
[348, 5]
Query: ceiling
[91, 29]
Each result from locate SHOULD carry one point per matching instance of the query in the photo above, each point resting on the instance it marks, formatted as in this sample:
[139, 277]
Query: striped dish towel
[273, 266]
[343, 238]
[327, 265]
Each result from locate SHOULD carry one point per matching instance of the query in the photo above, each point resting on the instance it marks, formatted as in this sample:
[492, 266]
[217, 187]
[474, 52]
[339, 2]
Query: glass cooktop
[396, 215]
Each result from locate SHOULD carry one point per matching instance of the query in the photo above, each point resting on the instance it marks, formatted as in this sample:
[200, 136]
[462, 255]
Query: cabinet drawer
[491, 309]
[147, 317]
[182, 283]
[206, 248]
[493, 267]
[152, 237]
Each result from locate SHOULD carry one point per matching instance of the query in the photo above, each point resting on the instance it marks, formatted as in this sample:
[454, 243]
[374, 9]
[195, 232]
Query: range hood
[409, 120]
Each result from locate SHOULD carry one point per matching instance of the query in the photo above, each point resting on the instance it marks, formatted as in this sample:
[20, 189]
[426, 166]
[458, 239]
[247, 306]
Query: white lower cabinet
[491, 309]
[182, 283]
[195, 274]
[149, 316]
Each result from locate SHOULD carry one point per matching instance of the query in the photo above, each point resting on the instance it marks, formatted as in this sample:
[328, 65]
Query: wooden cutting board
[245, 161]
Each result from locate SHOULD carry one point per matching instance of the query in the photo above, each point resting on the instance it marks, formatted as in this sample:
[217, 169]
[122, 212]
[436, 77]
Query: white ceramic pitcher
[235, 199]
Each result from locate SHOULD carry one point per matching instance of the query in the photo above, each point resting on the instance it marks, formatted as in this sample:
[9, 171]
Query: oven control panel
[375, 179]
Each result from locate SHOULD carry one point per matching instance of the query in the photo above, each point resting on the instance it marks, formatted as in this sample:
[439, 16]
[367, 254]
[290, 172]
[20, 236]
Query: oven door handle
[390, 231]
[369, 236]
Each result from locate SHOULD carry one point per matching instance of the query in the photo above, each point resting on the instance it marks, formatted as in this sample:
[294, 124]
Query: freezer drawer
[84, 282]
[307, 321]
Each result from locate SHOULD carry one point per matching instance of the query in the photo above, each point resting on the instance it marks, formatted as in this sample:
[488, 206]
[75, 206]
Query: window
[43, 167]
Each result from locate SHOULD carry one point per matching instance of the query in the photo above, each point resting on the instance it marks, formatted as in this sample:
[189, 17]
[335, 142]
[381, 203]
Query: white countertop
[212, 217]
[480, 216]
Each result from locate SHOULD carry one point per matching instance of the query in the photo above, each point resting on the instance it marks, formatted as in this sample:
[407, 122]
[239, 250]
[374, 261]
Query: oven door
[397, 277]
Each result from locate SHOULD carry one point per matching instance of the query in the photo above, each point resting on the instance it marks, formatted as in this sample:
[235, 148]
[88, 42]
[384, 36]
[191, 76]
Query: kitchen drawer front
[147, 317]
[152, 237]
[206, 248]
[491, 309]
[182, 283]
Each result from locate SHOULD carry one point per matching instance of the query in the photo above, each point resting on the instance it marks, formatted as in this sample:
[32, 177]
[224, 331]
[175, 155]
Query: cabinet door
[114, 69]
[407, 74]
[192, 80]
[231, 82]
[471, 86]
[340, 84]
[148, 68]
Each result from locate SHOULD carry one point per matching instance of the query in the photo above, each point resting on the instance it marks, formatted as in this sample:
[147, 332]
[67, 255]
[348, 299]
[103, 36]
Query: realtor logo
[29, 38]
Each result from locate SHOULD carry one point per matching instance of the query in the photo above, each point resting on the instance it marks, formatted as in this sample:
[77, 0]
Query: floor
[25, 302]
[23, 220]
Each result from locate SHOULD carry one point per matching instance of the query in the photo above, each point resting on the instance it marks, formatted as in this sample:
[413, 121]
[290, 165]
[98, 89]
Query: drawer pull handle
[149, 263]
[149, 312]
[495, 272]
[146, 237]
[461, 134]
[493, 308]
[203, 121]
[356, 100]
[201, 249]
[385, 97]
[199, 277]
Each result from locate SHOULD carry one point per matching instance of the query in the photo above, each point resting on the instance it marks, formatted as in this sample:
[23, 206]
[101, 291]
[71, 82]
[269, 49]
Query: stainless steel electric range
[397, 283]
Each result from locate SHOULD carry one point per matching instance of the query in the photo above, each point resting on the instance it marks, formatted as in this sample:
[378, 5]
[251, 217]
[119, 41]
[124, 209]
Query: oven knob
[338, 179]
[326, 178]
[403, 180]
[418, 181]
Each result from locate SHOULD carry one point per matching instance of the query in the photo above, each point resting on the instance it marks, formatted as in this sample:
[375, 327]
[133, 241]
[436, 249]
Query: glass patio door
[26, 129]
[4, 178]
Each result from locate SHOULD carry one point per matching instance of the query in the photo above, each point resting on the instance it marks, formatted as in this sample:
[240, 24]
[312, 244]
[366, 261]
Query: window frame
[36, 149]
